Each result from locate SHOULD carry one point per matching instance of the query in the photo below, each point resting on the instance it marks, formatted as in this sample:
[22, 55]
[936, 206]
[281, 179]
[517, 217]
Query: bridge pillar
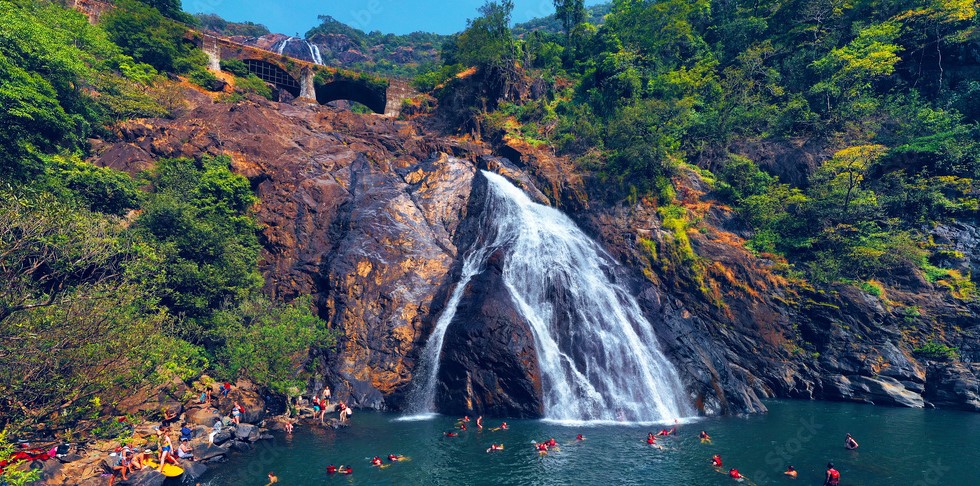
[307, 89]
[210, 47]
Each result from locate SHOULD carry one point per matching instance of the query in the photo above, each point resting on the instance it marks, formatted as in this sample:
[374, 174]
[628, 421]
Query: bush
[235, 66]
[205, 79]
[934, 351]
[252, 84]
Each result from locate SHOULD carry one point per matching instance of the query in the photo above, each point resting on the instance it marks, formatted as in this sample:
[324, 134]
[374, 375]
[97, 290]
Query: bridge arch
[353, 90]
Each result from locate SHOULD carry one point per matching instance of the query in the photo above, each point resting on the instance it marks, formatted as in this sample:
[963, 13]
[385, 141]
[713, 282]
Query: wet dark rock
[204, 452]
[147, 477]
[489, 365]
[246, 431]
[193, 469]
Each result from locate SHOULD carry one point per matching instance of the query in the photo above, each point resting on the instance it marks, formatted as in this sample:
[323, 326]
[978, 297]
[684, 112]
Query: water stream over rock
[598, 356]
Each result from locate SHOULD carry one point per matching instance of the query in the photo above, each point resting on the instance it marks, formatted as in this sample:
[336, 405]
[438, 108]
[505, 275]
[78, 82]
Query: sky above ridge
[294, 17]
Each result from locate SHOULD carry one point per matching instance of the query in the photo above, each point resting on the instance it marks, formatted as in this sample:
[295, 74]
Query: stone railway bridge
[306, 80]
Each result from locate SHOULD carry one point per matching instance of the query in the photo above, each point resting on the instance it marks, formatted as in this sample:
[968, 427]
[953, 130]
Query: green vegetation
[399, 55]
[218, 25]
[874, 91]
[113, 281]
[937, 352]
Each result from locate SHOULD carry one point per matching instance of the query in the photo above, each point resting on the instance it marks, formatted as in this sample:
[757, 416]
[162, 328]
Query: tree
[571, 13]
[487, 40]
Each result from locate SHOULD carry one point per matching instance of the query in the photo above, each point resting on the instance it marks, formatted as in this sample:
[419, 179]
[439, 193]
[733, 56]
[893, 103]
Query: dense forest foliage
[883, 93]
[113, 281]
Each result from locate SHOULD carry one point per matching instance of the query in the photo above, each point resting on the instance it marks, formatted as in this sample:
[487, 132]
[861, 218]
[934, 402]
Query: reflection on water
[898, 446]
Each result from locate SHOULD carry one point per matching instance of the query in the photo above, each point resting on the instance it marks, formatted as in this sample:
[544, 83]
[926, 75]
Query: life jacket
[834, 476]
[331, 469]
[650, 440]
[716, 461]
[735, 474]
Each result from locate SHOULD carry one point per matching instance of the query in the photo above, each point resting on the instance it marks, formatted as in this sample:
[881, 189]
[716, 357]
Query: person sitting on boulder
[225, 389]
[169, 417]
[186, 433]
[214, 431]
[185, 451]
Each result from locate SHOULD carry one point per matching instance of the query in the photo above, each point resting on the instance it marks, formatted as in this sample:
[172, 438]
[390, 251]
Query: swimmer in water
[791, 472]
[579, 437]
[716, 460]
[479, 422]
[504, 426]
[495, 447]
[705, 438]
[734, 474]
[450, 434]
[345, 469]
[331, 469]
[376, 461]
[850, 443]
[395, 457]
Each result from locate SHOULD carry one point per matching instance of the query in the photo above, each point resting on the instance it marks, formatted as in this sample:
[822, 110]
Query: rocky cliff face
[370, 215]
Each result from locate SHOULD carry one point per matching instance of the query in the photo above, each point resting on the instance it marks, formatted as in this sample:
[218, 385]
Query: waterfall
[315, 53]
[282, 45]
[315, 56]
[598, 355]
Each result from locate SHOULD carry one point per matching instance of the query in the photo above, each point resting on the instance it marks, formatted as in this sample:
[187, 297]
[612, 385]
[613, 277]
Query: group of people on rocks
[125, 460]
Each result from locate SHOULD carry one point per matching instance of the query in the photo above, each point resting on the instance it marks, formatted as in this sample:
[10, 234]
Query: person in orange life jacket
[376, 461]
[716, 460]
[734, 474]
[833, 476]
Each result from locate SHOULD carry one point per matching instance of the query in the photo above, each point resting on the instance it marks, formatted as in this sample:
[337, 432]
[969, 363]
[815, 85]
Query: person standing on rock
[166, 447]
[326, 397]
[226, 389]
[236, 413]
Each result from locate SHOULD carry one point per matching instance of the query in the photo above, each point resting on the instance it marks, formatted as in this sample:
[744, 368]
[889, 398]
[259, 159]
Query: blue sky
[389, 16]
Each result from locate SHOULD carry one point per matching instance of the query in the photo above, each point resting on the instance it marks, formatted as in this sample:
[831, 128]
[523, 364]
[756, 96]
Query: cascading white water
[598, 355]
[282, 45]
[315, 53]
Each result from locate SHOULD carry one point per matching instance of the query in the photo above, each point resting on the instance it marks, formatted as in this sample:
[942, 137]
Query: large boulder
[193, 469]
[247, 432]
[147, 477]
[205, 416]
[954, 386]
[205, 452]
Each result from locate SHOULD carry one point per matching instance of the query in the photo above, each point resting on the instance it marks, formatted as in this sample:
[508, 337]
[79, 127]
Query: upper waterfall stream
[598, 355]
